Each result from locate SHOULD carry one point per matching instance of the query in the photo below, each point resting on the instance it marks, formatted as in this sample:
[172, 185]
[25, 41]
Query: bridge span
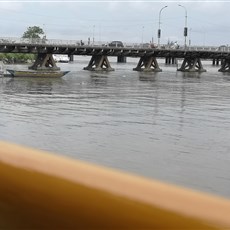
[45, 48]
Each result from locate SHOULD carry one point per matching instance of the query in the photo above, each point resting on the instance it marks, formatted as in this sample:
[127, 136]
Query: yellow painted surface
[40, 190]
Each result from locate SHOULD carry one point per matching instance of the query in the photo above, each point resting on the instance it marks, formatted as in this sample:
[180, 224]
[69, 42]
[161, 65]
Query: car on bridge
[116, 44]
[223, 48]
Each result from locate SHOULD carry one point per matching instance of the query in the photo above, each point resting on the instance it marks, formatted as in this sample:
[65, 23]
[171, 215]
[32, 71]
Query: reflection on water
[30, 86]
[169, 125]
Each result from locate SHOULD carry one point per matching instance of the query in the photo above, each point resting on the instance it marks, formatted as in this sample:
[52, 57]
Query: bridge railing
[209, 48]
[35, 41]
[44, 40]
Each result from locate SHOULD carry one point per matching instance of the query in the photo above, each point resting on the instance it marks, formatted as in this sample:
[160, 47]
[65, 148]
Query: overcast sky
[127, 21]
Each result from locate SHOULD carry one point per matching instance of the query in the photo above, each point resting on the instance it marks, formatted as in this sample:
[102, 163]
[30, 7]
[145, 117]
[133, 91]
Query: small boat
[36, 73]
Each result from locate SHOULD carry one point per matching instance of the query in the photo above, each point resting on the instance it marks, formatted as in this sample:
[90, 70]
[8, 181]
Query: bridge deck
[35, 46]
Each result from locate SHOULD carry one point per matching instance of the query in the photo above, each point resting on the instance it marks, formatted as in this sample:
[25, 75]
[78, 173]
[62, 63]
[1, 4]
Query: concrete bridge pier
[170, 60]
[71, 57]
[148, 64]
[215, 61]
[121, 59]
[191, 64]
[225, 65]
[44, 62]
[99, 63]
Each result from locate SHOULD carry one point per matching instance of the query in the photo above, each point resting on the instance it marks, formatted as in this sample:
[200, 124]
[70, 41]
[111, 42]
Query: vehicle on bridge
[116, 44]
[145, 45]
[223, 48]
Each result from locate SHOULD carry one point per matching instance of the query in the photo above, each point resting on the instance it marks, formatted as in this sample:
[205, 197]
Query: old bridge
[192, 56]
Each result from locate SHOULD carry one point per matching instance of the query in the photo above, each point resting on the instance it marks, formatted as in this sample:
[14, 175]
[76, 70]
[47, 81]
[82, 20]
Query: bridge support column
[225, 65]
[215, 61]
[170, 60]
[71, 57]
[191, 65]
[44, 62]
[99, 63]
[121, 59]
[148, 64]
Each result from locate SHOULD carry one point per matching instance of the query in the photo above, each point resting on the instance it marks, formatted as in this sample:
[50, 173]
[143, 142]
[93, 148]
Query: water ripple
[169, 125]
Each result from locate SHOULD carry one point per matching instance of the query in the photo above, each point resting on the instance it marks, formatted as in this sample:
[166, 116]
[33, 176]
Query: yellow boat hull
[39, 190]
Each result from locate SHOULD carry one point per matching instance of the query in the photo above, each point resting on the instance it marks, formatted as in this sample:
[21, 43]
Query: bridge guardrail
[44, 40]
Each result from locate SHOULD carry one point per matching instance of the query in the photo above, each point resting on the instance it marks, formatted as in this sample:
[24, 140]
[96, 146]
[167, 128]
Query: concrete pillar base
[44, 62]
[71, 58]
[225, 66]
[170, 60]
[148, 64]
[192, 65]
[121, 59]
[99, 63]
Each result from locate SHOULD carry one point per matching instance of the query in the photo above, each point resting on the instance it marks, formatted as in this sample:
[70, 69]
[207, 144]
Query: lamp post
[142, 35]
[185, 27]
[159, 28]
[44, 29]
[93, 33]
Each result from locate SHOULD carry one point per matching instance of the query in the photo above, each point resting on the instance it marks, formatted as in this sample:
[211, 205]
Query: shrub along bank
[16, 58]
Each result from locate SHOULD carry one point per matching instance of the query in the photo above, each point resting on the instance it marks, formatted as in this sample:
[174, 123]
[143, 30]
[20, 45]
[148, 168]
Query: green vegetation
[31, 32]
[16, 58]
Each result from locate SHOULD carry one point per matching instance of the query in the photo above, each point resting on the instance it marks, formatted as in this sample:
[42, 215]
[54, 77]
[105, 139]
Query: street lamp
[142, 35]
[44, 29]
[159, 30]
[185, 27]
[93, 33]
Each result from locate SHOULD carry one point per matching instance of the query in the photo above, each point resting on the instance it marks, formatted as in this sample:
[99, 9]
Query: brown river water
[170, 126]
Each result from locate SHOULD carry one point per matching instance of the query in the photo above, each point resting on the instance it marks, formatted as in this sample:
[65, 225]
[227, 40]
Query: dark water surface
[170, 125]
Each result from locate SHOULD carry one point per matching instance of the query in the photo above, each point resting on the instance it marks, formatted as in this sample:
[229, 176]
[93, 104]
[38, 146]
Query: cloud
[12, 6]
[116, 20]
[111, 6]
